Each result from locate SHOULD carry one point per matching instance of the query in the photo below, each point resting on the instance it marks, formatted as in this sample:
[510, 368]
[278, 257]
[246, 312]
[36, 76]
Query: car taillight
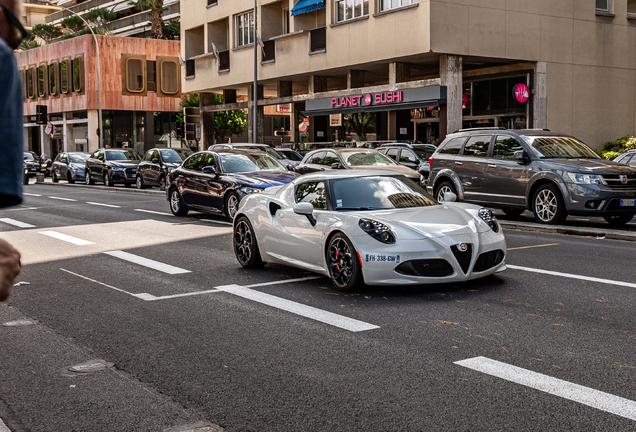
[430, 160]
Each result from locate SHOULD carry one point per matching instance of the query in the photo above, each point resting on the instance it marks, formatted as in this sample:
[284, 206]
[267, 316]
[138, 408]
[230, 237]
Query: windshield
[184, 153]
[561, 147]
[379, 193]
[291, 155]
[238, 163]
[171, 156]
[267, 149]
[78, 158]
[28, 156]
[122, 155]
[366, 158]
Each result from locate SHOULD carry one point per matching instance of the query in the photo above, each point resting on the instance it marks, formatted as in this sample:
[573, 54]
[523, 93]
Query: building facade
[140, 83]
[418, 70]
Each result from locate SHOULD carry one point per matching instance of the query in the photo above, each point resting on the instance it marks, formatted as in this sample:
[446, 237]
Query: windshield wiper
[360, 208]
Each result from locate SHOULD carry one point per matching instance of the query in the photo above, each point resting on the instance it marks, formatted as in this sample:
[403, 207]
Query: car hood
[595, 166]
[401, 169]
[264, 179]
[123, 164]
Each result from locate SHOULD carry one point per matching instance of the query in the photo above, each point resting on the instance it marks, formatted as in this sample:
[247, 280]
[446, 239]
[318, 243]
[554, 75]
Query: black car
[110, 165]
[156, 164]
[627, 158]
[69, 166]
[32, 162]
[215, 181]
[414, 156]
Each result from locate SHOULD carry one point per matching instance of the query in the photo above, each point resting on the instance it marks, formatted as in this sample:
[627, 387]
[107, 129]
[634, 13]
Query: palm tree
[156, 6]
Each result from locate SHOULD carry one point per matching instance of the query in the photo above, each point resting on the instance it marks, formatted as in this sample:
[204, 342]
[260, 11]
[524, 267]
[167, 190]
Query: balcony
[82, 7]
[141, 17]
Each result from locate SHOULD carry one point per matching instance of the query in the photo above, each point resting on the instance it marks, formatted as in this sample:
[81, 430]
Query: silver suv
[551, 174]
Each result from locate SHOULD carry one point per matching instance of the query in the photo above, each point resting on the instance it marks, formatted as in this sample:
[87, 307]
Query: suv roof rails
[399, 144]
[480, 128]
[540, 129]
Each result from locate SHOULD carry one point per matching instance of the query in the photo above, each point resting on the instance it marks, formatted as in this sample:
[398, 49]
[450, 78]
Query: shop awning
[304, 6]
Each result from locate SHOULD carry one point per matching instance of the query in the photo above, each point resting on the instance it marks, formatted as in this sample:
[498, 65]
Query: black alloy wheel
[107, 180]
[444, 187]
[69, 177]
[618, 220]
[245, 245]
[343, 264]
[548, 206]
[176, 205]
[231, 205]
[139, 182]
[88, 180]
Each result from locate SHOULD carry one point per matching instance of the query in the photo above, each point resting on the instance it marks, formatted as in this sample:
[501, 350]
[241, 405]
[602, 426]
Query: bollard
[39, 178]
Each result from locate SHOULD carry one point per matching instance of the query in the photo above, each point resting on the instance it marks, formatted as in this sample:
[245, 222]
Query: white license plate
[627, 203]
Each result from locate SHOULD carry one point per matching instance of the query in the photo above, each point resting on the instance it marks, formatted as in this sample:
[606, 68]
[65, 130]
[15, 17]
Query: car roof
[504, 131]
[235, 151]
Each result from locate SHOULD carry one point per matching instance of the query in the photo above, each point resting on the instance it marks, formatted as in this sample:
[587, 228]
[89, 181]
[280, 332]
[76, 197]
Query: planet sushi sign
[521, 93]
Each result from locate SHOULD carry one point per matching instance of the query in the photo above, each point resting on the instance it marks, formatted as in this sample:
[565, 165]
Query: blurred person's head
[11, 30]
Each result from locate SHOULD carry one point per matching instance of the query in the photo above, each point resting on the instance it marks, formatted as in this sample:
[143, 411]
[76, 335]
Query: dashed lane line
[103, 205]
[154, 212]
[572, 276]
[554, 386]
[31, 194]
[67, 238]
[63, 199]
[155, 265]
[16, 223]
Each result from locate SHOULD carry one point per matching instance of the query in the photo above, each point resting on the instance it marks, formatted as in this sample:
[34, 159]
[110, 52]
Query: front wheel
[343, 264]
[548, 206]
[107, 180]
[231, 205]
[176, 205]
[444, 187]
[88, 180]
[69, 178]
[618, 220]
[245, 245]
[139, 182]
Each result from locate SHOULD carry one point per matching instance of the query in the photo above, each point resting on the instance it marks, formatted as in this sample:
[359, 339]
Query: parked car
[156, 164]
[69, 166]
[553, 175]
[45, 165]
[414, 156]
[291, 156]
[368, 226]
[216, 181]
[32, 162]
[627, 158]
[352, 158]
[112, 165]
[263, 147]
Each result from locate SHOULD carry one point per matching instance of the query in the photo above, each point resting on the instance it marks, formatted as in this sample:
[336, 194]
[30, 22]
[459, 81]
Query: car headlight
[118, 170]
[489, 217]
[251, 190]
[585, 178]
[377, 230]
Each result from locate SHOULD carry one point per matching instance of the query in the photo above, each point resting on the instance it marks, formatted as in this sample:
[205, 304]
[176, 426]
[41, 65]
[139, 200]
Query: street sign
[50, 129]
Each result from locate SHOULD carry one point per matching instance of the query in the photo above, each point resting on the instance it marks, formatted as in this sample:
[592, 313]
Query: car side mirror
[304, 208]
[208, 170]
[449, 197]
[521, 156]
[336, 165]
[155, 160]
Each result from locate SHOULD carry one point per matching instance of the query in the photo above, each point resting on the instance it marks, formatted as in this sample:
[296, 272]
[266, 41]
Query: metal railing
[78, 8]
[145, 16]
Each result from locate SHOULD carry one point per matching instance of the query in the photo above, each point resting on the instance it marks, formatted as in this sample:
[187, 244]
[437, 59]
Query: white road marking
[216, 221]
[156, 265]
[310, 312]
[103, 205]
[63, 199]
[101, 283]
[16, 223]
[30, 194]
[154, 212]
[554, 386]
[284, 281]
[66, 238]
[573, 276]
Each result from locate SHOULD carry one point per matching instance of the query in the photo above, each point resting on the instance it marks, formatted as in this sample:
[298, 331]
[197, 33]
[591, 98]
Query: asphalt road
[129, 319]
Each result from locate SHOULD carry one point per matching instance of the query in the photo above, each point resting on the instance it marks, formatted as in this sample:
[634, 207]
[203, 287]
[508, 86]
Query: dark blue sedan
[215, 181]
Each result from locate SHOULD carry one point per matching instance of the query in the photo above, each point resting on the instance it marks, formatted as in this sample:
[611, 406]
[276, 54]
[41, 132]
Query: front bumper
[598, 200]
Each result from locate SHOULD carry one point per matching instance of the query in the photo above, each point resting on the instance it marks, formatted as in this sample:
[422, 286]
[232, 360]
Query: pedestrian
[11, 146]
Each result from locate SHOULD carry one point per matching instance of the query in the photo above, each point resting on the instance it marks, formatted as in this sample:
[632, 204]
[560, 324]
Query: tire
[162, 183]
[176, 204]
[107, 180]
[513, 212]
[445, 186]
[69, 178]
[548, 206]
[231, 205]
[618, 220]
[88, 180]
[54, 178]
[25, 180]
[140, 182]
[343, 264]
[245, 244]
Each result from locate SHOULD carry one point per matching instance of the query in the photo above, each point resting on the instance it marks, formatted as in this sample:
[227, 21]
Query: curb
[609, 234]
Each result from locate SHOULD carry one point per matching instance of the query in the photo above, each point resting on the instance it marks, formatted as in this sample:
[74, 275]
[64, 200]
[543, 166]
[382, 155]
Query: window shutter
[168, 77]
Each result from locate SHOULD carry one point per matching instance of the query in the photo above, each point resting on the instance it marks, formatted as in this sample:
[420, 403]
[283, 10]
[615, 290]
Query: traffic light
[180, 131]
[40, 114]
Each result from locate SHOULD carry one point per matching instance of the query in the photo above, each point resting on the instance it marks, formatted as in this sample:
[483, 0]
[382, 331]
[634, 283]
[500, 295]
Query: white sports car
[368, 227]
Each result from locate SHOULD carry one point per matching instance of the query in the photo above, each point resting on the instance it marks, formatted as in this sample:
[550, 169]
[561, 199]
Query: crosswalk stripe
[156, 265]
[67, 238]
[16, 223]
[554, 386]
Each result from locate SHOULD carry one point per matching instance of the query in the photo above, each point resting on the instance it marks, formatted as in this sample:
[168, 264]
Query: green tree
[29, 42]
[156, 8]
[360, 123]
[226, 123]
[99, 17]
[172, 30]
[46, 32]
[73, 24]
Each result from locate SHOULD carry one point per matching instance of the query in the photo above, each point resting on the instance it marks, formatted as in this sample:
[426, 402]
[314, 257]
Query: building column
[392, 125]
[93, 125]
[540, 97]
[355, 79]
[65, 135]
[398, 72]
[260, 113]
[450, 72]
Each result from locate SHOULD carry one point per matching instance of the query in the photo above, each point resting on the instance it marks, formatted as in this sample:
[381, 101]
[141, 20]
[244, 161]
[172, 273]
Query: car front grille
[488, 260]
[427, 267]
[130, 172]
[463, 257]
[614, 181]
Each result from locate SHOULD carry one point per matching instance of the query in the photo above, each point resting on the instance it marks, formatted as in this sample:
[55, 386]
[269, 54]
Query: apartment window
[603, 5]
[30, 80]
[78, 73]
[212, 2]
[64, 71]
[169, 77]
[41, 81]
[286, 21]
[392, 4]
[244, 29]
[631, 7]
[53, 88]
[350, 9]
[135, 75]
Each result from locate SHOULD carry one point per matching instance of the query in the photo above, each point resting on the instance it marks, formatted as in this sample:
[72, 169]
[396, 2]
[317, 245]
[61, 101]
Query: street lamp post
[99, 81]
[255, 94]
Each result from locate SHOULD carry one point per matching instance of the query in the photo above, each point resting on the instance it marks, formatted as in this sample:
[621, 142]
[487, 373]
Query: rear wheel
[618, 220]
[139, 182]
[548, 206]
[245, 245]
[176, 205]
[513, 212]
[444, 187]
[343, 264]
[69, 178]
[231, 205]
